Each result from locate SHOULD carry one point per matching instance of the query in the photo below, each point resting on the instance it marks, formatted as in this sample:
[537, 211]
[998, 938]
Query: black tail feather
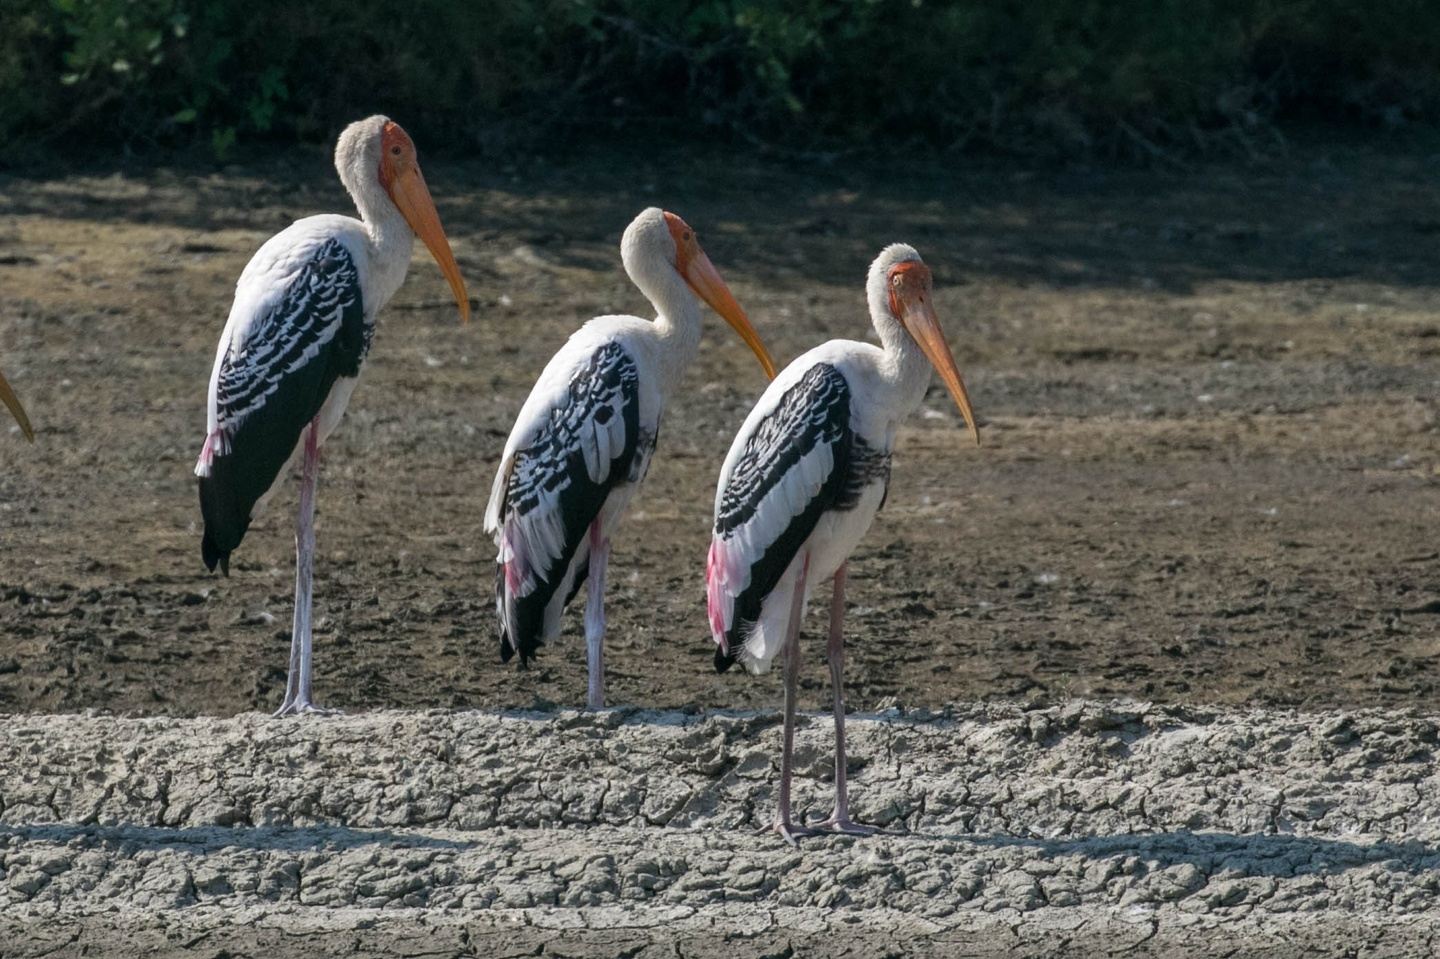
[523, 631]
[506, 650]
[527, 642]
[213, 555]
[226, 521]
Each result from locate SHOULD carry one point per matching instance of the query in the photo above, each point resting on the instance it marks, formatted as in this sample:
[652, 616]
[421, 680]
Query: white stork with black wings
[804, 479]
[583, 440]
[290, 355]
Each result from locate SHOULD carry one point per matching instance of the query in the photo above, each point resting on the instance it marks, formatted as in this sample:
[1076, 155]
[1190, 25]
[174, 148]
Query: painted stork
[804, 479]
[290, 356]
[582, 443]
[12, 403]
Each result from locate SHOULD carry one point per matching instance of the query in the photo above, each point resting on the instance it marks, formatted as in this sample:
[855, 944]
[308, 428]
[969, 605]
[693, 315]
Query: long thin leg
[595, 616]
[839, 820]
[787, 829]
[297, 684]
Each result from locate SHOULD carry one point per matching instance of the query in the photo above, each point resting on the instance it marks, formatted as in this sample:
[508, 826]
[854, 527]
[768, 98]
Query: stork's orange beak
[705, 280]
[702, 277]
[407, 188]
[12, 402]
[917, 315]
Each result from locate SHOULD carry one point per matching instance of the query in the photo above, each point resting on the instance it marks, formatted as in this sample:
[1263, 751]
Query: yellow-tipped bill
[702, 277]
[705, 280]
[912, 297]
[401, 177]
[412, 196]
[12, 402]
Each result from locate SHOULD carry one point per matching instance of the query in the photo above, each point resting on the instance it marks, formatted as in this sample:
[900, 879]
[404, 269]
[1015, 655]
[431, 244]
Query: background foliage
[1142, 77]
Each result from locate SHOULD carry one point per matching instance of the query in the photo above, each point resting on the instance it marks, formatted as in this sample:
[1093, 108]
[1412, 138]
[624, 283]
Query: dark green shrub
[1051, 75]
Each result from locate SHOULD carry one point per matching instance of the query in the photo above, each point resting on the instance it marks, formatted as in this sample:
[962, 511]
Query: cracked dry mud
[1086, 827]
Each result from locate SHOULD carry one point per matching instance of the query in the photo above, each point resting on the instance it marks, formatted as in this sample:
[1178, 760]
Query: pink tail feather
[517, 568]
[720, 600]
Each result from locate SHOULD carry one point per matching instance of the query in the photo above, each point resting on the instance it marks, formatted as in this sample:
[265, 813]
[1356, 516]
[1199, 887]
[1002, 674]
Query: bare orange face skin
[911, 294]
[686, 244]
[400, 176]
[909, 280]
[397, 153]
[700, 274]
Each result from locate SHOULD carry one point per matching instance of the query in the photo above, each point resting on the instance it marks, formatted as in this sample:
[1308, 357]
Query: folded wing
[581, 438]
[793, 464]
[272, 380]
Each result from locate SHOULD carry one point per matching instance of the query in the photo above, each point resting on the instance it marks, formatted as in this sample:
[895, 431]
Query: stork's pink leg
[297, 684]
[839, 820]
[787, 829]
[595, 616]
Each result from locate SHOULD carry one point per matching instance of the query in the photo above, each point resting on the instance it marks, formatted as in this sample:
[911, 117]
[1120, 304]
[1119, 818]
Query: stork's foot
[844, 826]
[790, 832]
[303, 707]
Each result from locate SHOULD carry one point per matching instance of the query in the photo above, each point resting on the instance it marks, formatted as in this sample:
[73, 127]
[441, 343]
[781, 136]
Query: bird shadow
[207, 839]
[1247, 854]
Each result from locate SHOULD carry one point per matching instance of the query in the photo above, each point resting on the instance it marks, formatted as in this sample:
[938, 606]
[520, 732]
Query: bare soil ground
[1210, 469]
[1087, 829]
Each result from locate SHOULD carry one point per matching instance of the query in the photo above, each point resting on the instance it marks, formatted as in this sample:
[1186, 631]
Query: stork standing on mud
[582, 443]
[291, 353]
[804, 479]
[12, 403]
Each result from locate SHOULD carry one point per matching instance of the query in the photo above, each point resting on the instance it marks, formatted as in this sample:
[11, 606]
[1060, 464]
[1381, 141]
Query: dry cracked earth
[1069, 830]
[1210, 482]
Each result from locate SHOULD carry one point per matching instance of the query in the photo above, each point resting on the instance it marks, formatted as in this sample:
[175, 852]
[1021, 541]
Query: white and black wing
[798, 461]
[587, 441]
[272, 382]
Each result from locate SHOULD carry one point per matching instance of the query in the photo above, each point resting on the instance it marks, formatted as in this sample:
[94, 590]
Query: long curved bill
[919, 318]
[12, 402]
[412, 196]
[705, 280]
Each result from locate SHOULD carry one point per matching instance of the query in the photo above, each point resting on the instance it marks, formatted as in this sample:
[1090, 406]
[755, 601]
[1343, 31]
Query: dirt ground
[1210, 470]
[1076, 830]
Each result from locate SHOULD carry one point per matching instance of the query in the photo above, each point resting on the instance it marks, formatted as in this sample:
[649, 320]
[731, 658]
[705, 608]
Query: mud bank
[1210, 470]
[1059, 831]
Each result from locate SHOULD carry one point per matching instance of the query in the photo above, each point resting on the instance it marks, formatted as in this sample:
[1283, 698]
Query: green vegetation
[1052, 76]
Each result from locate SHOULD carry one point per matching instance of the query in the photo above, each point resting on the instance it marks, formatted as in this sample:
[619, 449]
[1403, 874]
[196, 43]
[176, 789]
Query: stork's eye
[395, 151]
[687, 236]
[896, 279]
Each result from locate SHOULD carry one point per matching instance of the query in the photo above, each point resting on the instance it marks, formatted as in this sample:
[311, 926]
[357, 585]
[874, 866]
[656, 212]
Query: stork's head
[657, 240]
[377, 151]
[901, 290]
[12, 402]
